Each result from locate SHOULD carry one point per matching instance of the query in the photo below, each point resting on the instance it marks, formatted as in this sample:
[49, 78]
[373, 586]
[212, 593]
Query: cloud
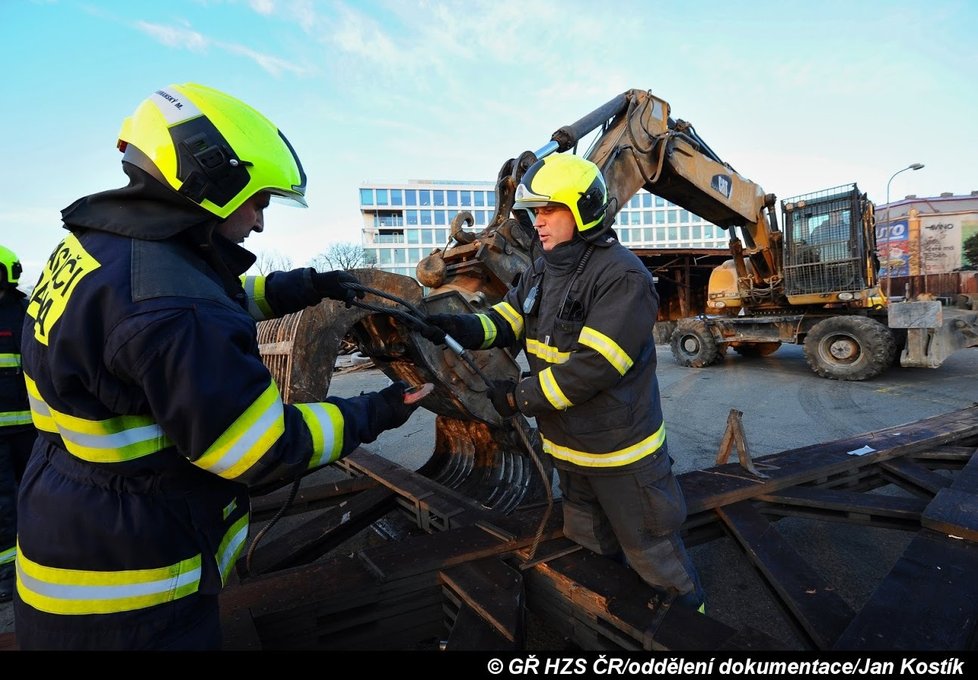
[185, 37]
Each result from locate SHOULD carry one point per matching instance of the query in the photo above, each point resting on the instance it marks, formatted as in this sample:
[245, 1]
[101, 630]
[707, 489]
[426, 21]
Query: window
[491, 199]
[634, 202]
[646, 200]
[397, 197]
[684, 216]
[660, 234]
[413, 236]
[381, 196]
[441, 217]
[439, 196]
[660, 217]
[412, 217]
[466, 198]
[673, 216]
[426, 217]
[410, 197]
[425, 197]
[480, 198]
[451, 197]
[660, 202]
[366, 196]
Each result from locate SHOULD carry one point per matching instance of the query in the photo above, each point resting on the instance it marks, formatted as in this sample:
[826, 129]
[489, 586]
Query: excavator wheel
[756, 349]
[693, 344]
[849, 348]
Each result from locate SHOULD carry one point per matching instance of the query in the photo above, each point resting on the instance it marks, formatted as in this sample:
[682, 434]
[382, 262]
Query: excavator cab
[826, 257]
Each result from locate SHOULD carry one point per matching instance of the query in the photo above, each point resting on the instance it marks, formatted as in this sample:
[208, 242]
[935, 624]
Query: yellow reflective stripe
[113, 440]
[40, 412]
[258, 305]
[548, 353]
[624, 456]
[7, 556]
[325, 423]
[230, 547]
[512, 317]
[74, 591]
[248, 439]
[607, 348]
[10, 418]
[9, 361]
[488, 329]
[552, 391]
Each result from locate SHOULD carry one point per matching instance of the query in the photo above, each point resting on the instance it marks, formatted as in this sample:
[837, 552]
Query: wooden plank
[820, 611]
[308, 497]
[928, 601]
[448, 548]
[494, 592]
[848, 502]
[471, 632]
[916, 475]
[322, 532]
[725, 484]
[618, 602]
[954, 513]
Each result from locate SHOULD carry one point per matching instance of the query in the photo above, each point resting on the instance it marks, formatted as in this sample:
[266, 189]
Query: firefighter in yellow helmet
[583, 314]
[17, 433]
[154, 409]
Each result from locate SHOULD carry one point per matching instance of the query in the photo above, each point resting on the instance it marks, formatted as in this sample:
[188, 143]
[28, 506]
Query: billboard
[892, 246]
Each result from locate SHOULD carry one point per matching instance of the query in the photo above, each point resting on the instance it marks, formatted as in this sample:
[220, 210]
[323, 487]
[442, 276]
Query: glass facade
[402, 223]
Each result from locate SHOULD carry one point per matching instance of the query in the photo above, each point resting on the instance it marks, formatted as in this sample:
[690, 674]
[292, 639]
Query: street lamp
[889, 259]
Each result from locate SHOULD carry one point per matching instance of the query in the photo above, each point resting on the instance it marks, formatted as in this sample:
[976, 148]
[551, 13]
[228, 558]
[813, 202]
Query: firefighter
[17, 433]
[155, 413]
[583, 313]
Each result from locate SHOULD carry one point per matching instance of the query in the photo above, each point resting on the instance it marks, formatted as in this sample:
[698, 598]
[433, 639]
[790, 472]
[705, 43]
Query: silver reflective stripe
[269, 419]
[117, 440]
[107, 592]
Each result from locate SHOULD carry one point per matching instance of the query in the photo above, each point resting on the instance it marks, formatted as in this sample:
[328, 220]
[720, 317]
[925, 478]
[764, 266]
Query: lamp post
[889, 259]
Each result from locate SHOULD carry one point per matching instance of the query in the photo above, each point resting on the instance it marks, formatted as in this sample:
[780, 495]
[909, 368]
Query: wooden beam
[915, 476]
[928, 601]
[493, 591]
[814, 603]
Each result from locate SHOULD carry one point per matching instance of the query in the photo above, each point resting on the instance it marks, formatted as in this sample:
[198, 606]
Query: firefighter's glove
[503, 396]
[334, 286]
[391, 411]
[466, 329]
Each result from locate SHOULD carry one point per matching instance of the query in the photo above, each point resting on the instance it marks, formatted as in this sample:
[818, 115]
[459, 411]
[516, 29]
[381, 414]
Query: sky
[797, 96]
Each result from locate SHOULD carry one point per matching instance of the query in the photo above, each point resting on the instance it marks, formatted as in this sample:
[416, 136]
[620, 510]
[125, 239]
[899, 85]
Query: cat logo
[721, 183]
[68, 264]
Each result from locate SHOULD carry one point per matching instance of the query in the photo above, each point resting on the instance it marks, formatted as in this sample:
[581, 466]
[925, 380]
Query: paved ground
[785, 406]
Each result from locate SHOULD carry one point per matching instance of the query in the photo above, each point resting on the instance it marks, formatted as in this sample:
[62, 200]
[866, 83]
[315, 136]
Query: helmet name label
[68, 264]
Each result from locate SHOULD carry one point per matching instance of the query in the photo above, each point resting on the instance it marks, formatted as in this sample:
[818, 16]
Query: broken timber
[456, 582]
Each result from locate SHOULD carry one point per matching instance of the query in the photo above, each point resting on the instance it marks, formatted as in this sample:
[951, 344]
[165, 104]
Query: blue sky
[796, 96]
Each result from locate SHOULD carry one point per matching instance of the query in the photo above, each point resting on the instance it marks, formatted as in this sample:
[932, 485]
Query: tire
[849, 348]
[693, 345]
[756, 349]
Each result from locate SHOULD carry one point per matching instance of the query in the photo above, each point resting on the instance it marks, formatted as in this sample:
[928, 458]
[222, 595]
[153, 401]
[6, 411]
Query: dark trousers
[638, 512]
[15, 448]
[190, 623]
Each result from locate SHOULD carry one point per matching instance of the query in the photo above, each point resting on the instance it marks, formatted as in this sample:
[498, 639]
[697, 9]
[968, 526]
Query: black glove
[332, 285]
[391, 410]
[503, 397]
[465, 328]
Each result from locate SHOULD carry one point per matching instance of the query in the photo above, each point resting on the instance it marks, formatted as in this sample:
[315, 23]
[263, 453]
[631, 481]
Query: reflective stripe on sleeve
[9, 361]
[488, 330]
[258, 306]
[547, 353]
[11, 418]
[231, 546]
[74, 591]
[7, 556]
[624, 456]
[607, 348]
[512, 317]
[250, 436]
[552, 391]
[325, 423]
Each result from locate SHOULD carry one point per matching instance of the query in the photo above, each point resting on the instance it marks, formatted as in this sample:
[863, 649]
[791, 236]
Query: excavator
[813, 283]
